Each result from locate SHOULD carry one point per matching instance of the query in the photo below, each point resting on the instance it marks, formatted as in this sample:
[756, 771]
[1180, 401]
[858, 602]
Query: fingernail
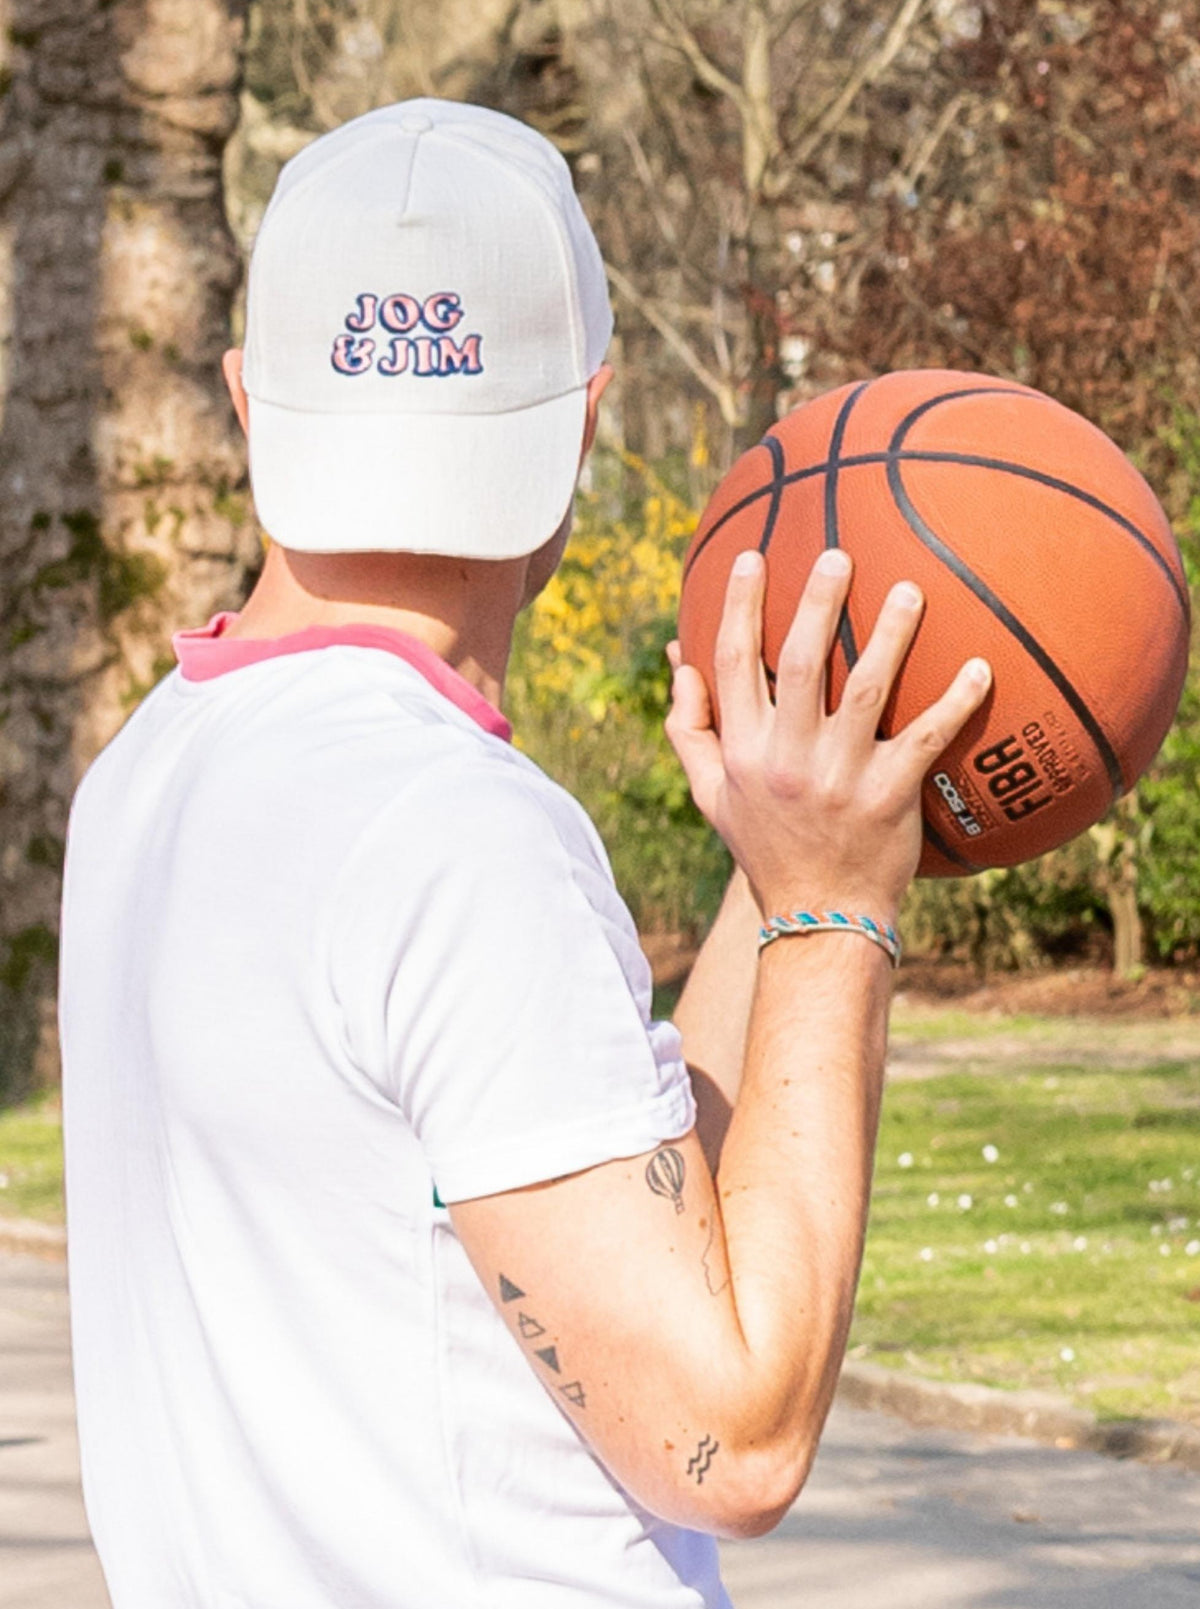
[833, 562]
[906, 595]
[746, 562]
[979, 671]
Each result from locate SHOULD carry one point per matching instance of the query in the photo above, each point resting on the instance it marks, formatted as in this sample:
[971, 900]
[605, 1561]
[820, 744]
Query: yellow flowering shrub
[588, 691]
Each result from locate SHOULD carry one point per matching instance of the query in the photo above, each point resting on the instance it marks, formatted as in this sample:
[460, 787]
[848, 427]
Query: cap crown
[429, 257]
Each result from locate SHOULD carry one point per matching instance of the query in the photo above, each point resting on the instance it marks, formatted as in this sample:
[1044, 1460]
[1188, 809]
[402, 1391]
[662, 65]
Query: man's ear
[597, 386]
[231, 368]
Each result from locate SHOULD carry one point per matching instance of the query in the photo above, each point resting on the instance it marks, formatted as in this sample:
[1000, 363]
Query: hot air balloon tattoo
[665, 1174]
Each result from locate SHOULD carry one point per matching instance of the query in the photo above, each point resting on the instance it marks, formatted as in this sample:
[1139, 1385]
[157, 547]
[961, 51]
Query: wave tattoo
[704, 1456]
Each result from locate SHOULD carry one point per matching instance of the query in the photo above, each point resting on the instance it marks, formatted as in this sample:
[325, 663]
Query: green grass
[1073, 1242]
[31, 1159]
[1075, 1268]
[931, 1026]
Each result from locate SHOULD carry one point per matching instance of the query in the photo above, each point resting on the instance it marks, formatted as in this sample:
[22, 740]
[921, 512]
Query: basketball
[1037, 545]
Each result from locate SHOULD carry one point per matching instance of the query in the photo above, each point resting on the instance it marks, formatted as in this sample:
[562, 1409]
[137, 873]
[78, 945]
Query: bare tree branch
[788, 17]
[676, 33]
[873, 68]
[913, 171]
[722, 390]
[760, 131]
[641, 166]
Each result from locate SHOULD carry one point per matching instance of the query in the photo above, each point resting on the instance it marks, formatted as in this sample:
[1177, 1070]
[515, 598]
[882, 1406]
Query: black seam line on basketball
[975, 461]
[779, 464]
[915, 455]
[1008, 468]
[846, 463]
[934, 837]
[1024, 636]
[832, 534]
[930, 403]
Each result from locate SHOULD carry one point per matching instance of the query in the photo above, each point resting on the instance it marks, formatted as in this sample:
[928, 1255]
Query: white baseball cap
[426, 305]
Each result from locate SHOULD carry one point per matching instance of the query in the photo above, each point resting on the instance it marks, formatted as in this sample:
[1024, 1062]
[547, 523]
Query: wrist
[812, 924]
[880, 907]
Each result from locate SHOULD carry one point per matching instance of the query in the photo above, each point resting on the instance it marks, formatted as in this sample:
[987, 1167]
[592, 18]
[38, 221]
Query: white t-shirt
[331, 944]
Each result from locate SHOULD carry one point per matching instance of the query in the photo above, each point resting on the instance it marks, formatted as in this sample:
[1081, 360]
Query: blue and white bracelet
[803, 922]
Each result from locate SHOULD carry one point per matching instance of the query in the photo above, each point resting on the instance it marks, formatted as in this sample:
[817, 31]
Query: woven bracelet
[803, 922]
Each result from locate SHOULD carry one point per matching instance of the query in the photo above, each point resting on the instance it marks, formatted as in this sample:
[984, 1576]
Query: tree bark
[122, 514]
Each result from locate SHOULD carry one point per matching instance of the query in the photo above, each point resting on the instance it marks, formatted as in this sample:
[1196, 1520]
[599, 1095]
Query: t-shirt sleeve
[494, 988]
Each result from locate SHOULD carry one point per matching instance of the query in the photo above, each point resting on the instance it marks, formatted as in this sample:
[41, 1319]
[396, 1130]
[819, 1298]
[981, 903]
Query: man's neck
[465, 616]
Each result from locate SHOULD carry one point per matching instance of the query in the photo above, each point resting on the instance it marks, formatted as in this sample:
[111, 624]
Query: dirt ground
[1076, 991]
[1054, 992]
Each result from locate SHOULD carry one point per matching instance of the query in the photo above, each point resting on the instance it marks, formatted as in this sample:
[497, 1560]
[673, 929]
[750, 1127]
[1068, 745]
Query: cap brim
[483, 486]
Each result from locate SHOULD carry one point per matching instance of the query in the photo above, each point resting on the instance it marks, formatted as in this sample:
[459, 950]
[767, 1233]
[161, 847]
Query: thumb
[689, 729]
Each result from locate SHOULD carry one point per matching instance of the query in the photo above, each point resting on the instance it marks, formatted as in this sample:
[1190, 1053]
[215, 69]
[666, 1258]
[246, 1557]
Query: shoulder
[488, 798]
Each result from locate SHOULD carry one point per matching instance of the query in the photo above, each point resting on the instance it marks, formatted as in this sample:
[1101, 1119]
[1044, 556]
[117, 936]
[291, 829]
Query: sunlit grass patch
[31, 1163]
[1069, 1262]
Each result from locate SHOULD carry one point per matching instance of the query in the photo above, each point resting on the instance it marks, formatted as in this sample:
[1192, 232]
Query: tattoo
[665, 1173]
[530, 1330]
[710, 1279]
[705, 1453]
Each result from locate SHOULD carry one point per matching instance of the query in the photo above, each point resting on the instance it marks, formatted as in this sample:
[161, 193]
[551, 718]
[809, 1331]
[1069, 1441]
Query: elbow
[766, 1485]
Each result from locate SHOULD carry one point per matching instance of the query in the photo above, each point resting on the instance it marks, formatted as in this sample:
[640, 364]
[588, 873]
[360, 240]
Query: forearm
[794, 1179]
[713, 1012]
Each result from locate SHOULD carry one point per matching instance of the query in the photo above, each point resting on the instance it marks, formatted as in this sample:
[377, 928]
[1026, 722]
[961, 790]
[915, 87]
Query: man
[406, 1268]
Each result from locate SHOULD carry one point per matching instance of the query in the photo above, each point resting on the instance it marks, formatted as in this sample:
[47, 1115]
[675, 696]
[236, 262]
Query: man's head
[426, 321]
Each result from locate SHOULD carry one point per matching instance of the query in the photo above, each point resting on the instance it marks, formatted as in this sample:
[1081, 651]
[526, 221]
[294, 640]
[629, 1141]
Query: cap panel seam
[566, 256]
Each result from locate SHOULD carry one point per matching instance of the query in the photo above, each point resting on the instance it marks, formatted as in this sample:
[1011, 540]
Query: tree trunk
[122, 514]
[1127, 928]
[1128, 937]
[1118, 841]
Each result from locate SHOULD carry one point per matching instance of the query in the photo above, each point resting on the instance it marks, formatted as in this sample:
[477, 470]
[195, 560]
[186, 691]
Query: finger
[869, 684]
[689, 729]
[674, 656]
[741, 676]
[926, 737]
[800, 675]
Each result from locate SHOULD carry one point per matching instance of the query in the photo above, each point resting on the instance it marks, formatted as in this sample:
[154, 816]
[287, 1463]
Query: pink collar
[203, 653]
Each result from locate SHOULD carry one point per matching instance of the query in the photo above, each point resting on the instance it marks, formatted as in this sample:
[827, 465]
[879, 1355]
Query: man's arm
[693, 1328]
[713, 1012]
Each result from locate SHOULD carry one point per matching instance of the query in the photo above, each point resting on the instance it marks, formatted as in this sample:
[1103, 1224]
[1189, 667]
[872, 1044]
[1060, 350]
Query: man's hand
[815, 809]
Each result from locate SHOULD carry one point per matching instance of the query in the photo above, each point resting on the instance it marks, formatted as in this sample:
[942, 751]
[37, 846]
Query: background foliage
[789, 196]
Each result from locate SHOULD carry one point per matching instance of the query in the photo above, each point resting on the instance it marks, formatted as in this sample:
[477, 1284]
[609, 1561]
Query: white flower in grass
[1010, 1201]
[3, 1181]
[965, 1202]
[932, 1199]
[1164, 1250]
[990, 1247]
[1192, 1249]
[1059, 1209]
[1080, 1243]
[905, 1159]
[1176, 1226]
[1027, 1187]
[1067, 1354]
[990, 1154]
[926, 1254]
[1156, 1229]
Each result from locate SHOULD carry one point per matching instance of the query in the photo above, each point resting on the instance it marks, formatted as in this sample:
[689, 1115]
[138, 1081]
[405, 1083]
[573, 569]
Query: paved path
[893, 1518]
